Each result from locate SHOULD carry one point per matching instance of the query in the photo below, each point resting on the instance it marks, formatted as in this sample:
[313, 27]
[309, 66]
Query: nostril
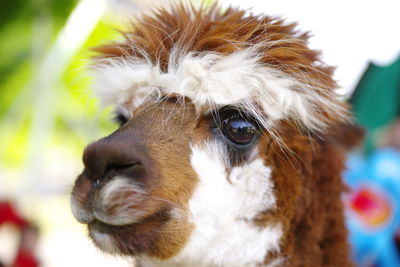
[112, 167]
[127, 169]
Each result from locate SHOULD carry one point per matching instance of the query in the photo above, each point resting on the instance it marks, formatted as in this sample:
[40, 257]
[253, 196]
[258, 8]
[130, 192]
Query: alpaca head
[221, 114]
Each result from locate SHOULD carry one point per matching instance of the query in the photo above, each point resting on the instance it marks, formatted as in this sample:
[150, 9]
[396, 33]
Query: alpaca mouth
[104, 228]
[129, 239]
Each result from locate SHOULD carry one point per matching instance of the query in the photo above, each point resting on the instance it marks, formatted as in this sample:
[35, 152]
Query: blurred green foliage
[17, 18]
[15, 10]
[28, 29]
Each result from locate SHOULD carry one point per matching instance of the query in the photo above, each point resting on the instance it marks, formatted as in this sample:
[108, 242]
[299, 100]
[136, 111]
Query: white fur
[212, 80]
[104, 241]
[222, 208]
[114, 207]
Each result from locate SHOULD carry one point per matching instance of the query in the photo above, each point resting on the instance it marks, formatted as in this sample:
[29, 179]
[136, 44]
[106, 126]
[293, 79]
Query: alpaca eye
[120, 119]
[238, 128]
[239, 131]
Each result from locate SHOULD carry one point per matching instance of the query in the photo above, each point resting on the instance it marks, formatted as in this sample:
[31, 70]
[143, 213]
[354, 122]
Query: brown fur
[308, 187]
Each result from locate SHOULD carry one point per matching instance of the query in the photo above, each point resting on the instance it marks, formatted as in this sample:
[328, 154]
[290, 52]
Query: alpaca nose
[115, 155]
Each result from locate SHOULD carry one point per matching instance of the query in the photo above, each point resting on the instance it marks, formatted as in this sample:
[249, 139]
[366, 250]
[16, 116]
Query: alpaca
[230, 148]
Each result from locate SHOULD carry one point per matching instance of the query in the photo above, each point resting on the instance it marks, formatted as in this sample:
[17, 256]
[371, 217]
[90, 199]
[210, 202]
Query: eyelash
[120, 119]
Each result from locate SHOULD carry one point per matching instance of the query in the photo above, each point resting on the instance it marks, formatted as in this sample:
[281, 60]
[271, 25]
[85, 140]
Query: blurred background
[48, 115]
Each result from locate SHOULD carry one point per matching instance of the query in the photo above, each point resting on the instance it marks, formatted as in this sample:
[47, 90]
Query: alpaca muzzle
[114, 186]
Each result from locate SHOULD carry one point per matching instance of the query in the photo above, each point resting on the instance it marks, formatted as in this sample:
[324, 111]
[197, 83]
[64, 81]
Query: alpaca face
[209, 164]
[172, 184]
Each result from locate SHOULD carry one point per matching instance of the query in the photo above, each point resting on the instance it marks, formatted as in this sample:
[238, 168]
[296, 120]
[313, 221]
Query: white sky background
[350, 33]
